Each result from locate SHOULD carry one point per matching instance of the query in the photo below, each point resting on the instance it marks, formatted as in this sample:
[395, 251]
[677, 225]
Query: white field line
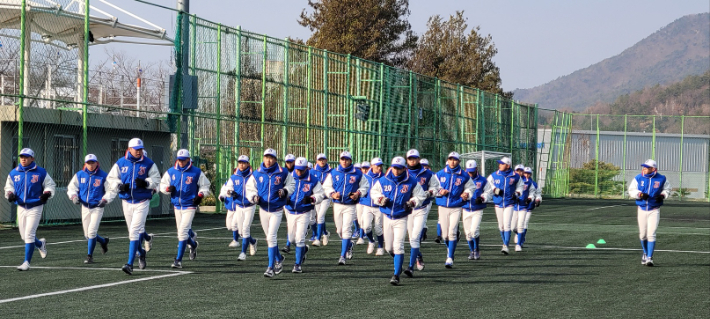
[595, 208]
[626, 249]
[61, 292]
[630, 225]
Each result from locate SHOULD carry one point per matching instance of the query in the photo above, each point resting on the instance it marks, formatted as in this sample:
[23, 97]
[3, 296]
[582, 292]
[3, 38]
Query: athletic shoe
[278, 266]
[360, 241]
[341, 261]
[349, 253]
[449, 263]
[176, 264]
[43, 249]
[649, 262]
[471, 256]
[325, 238]
[25, 266]
[252, 248]
[269, 272]
[316, 243]
[476, 254]
[128, 269]
[193, 251]
[504, 250]
[518, 248]
[234, 244]
[438, 240]
[141, 262]
[356, 234]
[394, 280]
[104, 246]
[644, 258]
[148, 244]
[297, 269]
[380, 252]
[286, 249]
[305, 253]
[409, 272]
[89, 259]
[242, 257]
[193, 237]
[420, 263]
[370, 248]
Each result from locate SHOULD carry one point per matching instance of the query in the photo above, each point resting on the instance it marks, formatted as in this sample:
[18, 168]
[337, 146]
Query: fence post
[680, 174]
[284, 136]
[24, 37]
[309, 76]
[653, 139]
[325, 103]
[218, 111]
[596, 162]
[237, 91]
[85, 80]
[623, 157]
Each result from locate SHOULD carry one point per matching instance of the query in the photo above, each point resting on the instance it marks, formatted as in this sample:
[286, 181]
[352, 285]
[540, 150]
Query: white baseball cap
[27, 152]
[471, 165]
[301, 163]
[310, 165]
[413, 153]
[90, 158]
[357, 165]
[365, 164]
[135, 143]
[454, 155]
[321, 156]
[183, 154]
[289, 158]
[520, 167]
[527, 170]
[347, 155]
[398, 162]
[243, 158]
[376, 161]
[505, 160]
[270, 152]
[650, 164]
[424, 161]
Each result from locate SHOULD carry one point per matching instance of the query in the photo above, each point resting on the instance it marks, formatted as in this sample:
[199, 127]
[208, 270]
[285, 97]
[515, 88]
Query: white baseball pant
[514, 219]
[426, 217]
[183, 220]
[321, 209]
[90, 220]
[270, 222]
[415, 224]
[472, 223]
[648, 223]
[504, 216]
[242, 218]
[449, 221]
[370, 215]
[343, 216]
[28, 221]
[231, 221]
[395, 230]
[135, 215]
[297, 224]
[358, 209]
[522, 217]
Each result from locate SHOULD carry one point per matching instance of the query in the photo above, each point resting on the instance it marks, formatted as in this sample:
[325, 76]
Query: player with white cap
[322, 170]
[649, 189]
[534, 201]
[88, 187]
[456, 190]
[345, 185]
[397, 194]
[29, 187]
[308, 193]
[269, 187]
[135, 177]
[371, 216]
[473, 210]
[503, 188]
[425, 165]
[240, 211]
[417, 220]
[359, 232]
[289, 162]
[514, 220]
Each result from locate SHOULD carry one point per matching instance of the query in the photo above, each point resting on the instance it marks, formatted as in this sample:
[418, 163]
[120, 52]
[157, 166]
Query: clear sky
[537, 41]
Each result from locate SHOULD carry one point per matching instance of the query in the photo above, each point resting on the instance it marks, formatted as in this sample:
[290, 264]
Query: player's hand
[443, 192]
[221, 198]
[464, 196]
[282, 193]
[308, 200]
[643, 196]
[11, 197]
[411, 204]
[255, 199]
[479, 200]
[335, 196]
[660, 198]
[197, 200]
[429, 194]
[171, 189]
[537, 203]
[355, 195]
[75, 200]
[124, 187]
[233, 194]
[102, 203]
[497, 191]
[528, 201]
[383, 201]
[140, 182]
[44, 197]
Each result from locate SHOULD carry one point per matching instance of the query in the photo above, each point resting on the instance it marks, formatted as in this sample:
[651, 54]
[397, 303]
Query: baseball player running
[88, 187]
[345, 185]
[322, 171]
[425, 165]
[456, 190]
[187, 185]
[364, 168]
[371, 215]
[520, 208]
[29, 187]
[417, 220]
[536, 194]
[269, 187]
[397, 194]
[134, 177]
[289, 162]
[504, 187]
[308, 193]
[649, 189]
[473, 210]
[240, 211]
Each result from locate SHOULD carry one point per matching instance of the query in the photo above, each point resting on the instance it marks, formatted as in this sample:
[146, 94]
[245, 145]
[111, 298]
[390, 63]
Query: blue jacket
[131, 168]
[267, 183]
[531, 206]
[372, 178]
[239, 181]
[399, 190]
[304, 188]
[527, 184]
[652, 184]
[345, 181]
[453, 180]
[479, 185]
[91, 186]
[508, 182]
[185, 179]
[29, 184]
[321, 172]
[423, 176]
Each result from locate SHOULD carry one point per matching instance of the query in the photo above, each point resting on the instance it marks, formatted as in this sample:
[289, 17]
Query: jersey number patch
[17, 178]
[388, 188]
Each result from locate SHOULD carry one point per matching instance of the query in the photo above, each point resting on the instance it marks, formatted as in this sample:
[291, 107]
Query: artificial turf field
[555, 276]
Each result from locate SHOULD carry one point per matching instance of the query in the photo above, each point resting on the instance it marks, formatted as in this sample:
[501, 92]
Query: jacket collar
[243, 173]
[270, 170]
[323, 169]
[373, 175]
[347, 170]
[32, 166]
[397, 179]
[188, 166]
[132, 158]
[449, 170]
